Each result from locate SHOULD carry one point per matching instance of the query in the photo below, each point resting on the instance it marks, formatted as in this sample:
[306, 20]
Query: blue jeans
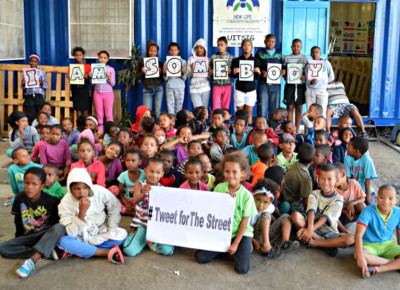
[241, 259]
[268, 98]
[153, 95]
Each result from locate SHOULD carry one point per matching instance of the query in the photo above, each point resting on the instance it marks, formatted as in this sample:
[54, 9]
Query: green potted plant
[127, 76]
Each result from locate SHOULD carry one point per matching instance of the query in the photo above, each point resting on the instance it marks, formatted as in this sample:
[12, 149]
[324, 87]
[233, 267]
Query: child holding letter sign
[235, 167]
[103, 93]
[222, 88]
[153, 90]
[34, 96]
[319, 75]
[245, 91]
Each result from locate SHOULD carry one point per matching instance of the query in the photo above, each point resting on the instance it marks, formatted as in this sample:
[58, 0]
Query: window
[12, 33]
[101, 25]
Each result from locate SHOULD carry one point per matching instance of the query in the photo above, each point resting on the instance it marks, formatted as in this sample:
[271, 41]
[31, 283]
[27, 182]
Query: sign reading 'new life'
[190, 218]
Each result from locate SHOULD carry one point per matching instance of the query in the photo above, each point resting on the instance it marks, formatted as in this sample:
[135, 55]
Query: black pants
[33, 103]
[24, 247]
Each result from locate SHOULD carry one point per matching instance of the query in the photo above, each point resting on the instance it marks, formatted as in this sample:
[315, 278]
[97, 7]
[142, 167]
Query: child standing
[239, 138]
[80, 93]
[34, 97]
[234, 168]
[287, 157]
[376, 252]
[90, 214]
[295, 93]
[51, 186]
[103, 96]
[69, 135]
[153, 90]
[128, 179]
[268, 95]
[22, 135]
[339, 152]
[136, 240]
[265, 231]
[245, 91]
[193, 173]
[36, 223]
[317, 89]
[199, 87]
[360, 166]
[320, 229]
[94, 167]
[56, 151]
[175, 86]
[222, 89]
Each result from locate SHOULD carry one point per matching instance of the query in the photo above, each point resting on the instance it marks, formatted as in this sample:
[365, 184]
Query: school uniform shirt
[353, 192]
[28, 141]
[202, 186]
[96, 170]
[52, 121]
[125, 180]
[16, 176]
[245, 86]
[360, 169]
[72, 139]
[244, 207]
[41, 89]
[378, 229]
[329, 206]
[32, 217]
[251, 155]
[229, 57]
[286, 165]
[58, 155]
[298, 183]
[268, 56]
[56, 190]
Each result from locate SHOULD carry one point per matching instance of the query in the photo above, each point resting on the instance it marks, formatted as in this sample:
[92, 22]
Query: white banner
[190, 218]
[238, 20]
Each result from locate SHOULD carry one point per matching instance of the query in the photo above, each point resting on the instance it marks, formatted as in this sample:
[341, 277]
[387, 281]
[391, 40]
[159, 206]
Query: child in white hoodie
[199, 86]
[90, 214]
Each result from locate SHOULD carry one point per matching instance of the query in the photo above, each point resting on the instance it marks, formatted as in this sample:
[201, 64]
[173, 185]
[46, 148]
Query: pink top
[108, 86]
[96, 170]
[170, 136]
[58, 155]
[202, 186]
[36, 150]
[353, 192]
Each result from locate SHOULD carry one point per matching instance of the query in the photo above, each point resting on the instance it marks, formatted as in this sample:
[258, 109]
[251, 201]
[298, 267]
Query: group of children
[288, 188]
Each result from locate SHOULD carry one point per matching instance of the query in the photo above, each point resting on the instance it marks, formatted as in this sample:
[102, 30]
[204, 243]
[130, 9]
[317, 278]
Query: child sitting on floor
[287, 157]
[110, 133]
[319, 124]
[343, 122]
[193, 173]
[322, 153]
[219, 146]
[69, 135]
[194, 149]
[136, 240]
[49, 111]
[251, 151]
[320, 228]
[207, 177]
[52, 186]
[111, 162]
[90, 214]
[267, 157]
[290, 127]
[262, 126]
[264, 231]
[165, 125]
[125, 137]
[376, 251]
[171, 177]
[44, 137]
[340, 151]
[149, 148]
[239, 138]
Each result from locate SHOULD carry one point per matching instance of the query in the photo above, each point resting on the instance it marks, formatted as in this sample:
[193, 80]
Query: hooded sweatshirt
[149, 83]
[139, 114]
[104, 210]
[339, 152]
[197, 85]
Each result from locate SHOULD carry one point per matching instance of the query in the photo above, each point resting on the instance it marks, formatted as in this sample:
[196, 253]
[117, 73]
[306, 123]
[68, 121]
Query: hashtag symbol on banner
[150, 213]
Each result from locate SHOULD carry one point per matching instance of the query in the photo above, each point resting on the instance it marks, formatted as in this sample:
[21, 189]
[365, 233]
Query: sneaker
[26, 268]
[332, 251]
[274, 253]
[289, 246]
[54, 255]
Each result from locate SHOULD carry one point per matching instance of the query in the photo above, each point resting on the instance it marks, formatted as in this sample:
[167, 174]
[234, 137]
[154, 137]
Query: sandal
[365, 135]
[115, 250]
[372, 271]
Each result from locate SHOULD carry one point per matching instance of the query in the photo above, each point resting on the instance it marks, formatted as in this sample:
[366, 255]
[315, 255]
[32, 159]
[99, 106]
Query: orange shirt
[258, 169]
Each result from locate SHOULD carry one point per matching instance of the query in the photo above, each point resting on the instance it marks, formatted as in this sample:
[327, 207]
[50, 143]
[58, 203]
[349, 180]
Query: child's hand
[165, 70]
[306, 114]
[41, 81]
[84, 204]
[90, 74]
[313, 81]
[143, 70]
[149, 243]
[23, 81]
[192, 66]
[212, 71]
[235, 70]
[351, 210]
[21, 131]
[229, 71]
[156, 127]
[257, 70]
[146, 189]
[232, 249]
[85, 76]
[283, 72]
[362, 264]
[264, 73]
[303, 77]
[108, 76]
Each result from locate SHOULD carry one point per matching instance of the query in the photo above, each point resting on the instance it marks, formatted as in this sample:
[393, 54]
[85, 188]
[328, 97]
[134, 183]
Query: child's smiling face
[261, 124]
[125, 138]
[291, 129]
[45, 134]
[316, 54]
[113, 151]
[346, 136]
[67, 125]
[153, 52]
[173, 50]
[193, 173]
[90, 124]
[386, 200]
[327, 180]
[43, 119]
[154, 171]
[33, 62]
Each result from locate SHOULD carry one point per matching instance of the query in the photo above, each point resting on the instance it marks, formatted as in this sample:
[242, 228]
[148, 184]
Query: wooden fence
[355, 74]
[12, 99]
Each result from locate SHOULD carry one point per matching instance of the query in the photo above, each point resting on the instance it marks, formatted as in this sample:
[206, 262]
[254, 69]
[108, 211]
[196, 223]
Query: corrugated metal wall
[184, 21]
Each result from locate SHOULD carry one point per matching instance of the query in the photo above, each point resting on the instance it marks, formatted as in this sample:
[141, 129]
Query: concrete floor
[304, 269]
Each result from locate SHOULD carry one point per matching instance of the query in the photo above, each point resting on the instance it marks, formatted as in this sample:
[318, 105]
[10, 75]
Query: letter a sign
[76, 72]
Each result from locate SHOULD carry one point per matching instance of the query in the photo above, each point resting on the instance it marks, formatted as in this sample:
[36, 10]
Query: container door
[308, 21]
